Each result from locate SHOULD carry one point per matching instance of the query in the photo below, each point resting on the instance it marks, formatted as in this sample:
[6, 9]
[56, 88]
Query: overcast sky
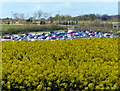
[65, 8]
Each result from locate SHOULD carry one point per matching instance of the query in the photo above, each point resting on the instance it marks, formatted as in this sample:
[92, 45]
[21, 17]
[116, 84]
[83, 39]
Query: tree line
[42, 17]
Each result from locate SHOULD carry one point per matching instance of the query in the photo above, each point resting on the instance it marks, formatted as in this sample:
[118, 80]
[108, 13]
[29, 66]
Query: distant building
[17, 22]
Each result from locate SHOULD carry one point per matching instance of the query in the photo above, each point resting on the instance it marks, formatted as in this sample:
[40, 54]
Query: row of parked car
[60, 35]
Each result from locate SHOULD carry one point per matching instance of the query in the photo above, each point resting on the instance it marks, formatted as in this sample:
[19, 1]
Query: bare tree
[16, 16]
[46, 15]
[22, 16]
[35, 15]
[39, 13]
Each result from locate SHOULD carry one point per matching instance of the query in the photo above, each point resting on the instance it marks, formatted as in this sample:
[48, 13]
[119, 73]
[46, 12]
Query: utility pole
[82, 11]
[59, 16]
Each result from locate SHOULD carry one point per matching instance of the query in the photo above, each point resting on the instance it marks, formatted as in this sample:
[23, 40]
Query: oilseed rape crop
[61, 65]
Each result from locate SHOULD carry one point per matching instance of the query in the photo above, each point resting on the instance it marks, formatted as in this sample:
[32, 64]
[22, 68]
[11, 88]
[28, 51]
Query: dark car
[44, 37]
[51, 32]
[53, 38]
[6, 37]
